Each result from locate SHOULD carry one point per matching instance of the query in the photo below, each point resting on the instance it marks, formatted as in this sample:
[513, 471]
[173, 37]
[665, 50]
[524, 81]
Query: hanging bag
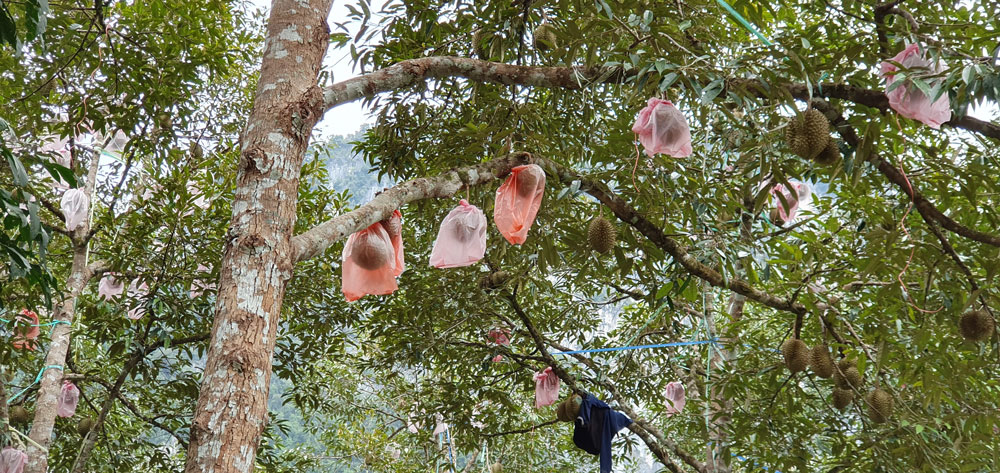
[26, 330]
[676, 399]
[663, 129]
[12, 460]
[461, 239]
[369, 263]
[906, 98]
[517, 202]
[546, 388]
[68, 398]
[74, 208]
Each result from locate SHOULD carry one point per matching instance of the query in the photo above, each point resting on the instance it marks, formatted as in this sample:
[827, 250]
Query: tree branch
[413, 71]
[867, 97]
[652, 437]
[924, 206]
[630, 216]
[313, 242]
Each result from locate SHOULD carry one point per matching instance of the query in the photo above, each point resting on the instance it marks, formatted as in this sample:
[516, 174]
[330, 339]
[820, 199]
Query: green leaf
[37, 12]
[8, 31]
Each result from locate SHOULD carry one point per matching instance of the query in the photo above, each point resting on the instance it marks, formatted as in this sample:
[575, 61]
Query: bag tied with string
[68, 398]
[461, 239]
[663, 129]
[26, 330]
[517, 202]
[907, 99]
[372, 259]
[546, 388]
[676, 399]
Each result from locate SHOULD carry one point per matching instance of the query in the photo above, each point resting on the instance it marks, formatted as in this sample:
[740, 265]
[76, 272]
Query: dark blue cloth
[595, 426]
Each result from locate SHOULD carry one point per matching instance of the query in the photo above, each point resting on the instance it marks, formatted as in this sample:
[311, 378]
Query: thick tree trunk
[50, 386]
[231, 413]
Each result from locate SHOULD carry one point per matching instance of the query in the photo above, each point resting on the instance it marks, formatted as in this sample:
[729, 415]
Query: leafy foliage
[352, 378]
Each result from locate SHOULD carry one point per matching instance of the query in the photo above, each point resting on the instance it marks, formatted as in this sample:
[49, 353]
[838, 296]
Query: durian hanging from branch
[808, 136]
[601, 234]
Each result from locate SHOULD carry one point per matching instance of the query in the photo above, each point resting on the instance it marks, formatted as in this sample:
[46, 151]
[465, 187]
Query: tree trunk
[50, 386]
[231, 413]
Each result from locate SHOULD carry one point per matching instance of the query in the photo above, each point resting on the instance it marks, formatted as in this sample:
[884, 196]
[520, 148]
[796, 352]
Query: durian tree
[899, 244]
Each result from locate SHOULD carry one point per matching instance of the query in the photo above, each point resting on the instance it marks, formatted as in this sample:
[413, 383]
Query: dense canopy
[815, 269]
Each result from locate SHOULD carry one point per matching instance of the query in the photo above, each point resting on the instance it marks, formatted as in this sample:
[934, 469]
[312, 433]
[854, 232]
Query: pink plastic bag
[68, 399]
[394, 228]
[787, 210]
[500, 336]
[74, 208]
[663, 129]
[12, 460]
[907, 99]
[26, 330]
[517, 202]
[546, 388]
[136, 291]
[110, 287]
[369, 263]
[675, 397]
[461, 239]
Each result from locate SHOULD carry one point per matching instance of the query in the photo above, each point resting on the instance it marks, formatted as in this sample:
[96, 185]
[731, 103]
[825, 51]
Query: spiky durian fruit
[842, 398]
[477, 45]
[19, 415]
[573, 406]
[496, 468]
[561, 412]
[796, 354]
[808, 135]
[816, 130]
[976, 325]
[494, 280]
[545, 37]
[879, 405]
[851, 378]
[85, 425]
[795, 139]
[601, 234]
[820, 361]
[829, 155]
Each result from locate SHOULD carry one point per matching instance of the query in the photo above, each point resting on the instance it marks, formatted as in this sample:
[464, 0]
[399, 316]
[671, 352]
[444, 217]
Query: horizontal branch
[313, 242]
[413, 71]
[923, 205]
[861, 96]
[654, 234]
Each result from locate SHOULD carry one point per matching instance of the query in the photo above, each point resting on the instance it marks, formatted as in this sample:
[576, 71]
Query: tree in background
[894, 252]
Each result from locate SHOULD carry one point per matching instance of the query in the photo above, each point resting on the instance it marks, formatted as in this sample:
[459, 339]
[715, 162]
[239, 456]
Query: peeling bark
[231, 413]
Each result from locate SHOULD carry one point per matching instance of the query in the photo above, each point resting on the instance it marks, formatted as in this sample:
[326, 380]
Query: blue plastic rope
[37, 379]
[637, 347]
[743, 21]
[46, 324]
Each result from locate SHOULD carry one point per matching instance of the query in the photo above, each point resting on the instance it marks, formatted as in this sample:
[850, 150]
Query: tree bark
[231, 413]
[50, 386]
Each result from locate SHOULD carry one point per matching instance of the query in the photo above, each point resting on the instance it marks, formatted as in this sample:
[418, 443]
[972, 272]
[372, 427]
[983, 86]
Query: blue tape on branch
[743, 21]
[46, 324]
[637, 347]
[37, 379]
